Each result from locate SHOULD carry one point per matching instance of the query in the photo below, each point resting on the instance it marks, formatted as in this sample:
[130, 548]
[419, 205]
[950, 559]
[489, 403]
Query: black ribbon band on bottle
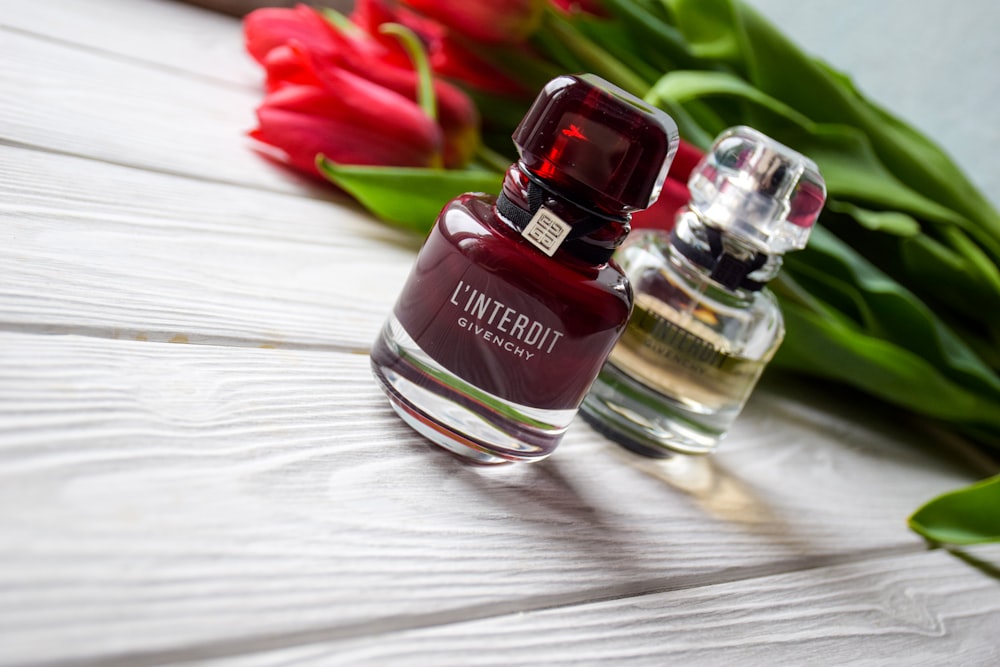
[515, 214]
[729, 271]
[578, 246]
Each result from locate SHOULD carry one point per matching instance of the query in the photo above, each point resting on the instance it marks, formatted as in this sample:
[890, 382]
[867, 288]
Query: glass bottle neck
[594, 235]
[724, 258]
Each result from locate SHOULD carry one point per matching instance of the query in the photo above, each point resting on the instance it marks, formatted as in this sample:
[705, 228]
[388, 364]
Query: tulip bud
[488, 21]
[449, 58]
[271, 27]
[349, 120]
[301, 50]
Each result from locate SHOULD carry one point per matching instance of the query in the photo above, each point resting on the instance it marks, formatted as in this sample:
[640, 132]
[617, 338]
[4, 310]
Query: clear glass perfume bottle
[513, 303]
[704, 326]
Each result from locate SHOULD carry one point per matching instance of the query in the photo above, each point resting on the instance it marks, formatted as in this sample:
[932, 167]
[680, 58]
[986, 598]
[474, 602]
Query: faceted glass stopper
[753, 187]
[594, 143]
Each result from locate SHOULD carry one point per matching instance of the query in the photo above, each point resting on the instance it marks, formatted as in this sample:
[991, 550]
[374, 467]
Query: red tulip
[448, 57]
[349, 119]
[488, 21]
[300, 49]
[674, 195]
[268, 28]
[586, 6]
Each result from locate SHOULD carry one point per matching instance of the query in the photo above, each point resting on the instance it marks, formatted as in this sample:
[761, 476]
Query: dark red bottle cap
[590, 141]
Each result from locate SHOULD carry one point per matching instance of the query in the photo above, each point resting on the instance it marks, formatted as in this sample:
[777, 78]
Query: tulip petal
[362, 124]
[457, 114]
[271, 27]
[337, 90]
[489, 21]
[303, 137]
[448, 58]
[285, 65]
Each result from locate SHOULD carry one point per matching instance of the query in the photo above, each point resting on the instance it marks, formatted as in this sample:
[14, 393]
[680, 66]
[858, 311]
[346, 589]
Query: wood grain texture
[167, 503]
[163, 34]
[111, 251]
[61, 98]
[870, 613]
[159, 502]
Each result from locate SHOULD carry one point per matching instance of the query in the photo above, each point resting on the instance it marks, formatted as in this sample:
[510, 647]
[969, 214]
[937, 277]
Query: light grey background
[935, 64]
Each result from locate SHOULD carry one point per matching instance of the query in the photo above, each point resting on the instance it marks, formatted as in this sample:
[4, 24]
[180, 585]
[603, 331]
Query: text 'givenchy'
[512, 331]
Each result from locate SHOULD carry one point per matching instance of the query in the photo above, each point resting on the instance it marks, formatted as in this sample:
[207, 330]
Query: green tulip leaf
[406, 196]
[659, 42]
[855, 173]
[965, 516]
[581, 50]
[826, 348]
[891, 222]
[899, 315]
[914, 159]
[863, 329]
[736, 36]
[845, 155]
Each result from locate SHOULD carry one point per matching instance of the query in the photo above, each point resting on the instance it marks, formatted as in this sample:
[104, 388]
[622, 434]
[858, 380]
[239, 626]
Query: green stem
[340, 22]
[418, 56]
[595, 58]
[652, 28]
[491, 159]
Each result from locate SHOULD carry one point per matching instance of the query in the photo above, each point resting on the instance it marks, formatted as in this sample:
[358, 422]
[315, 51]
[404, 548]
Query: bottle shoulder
[470, 226]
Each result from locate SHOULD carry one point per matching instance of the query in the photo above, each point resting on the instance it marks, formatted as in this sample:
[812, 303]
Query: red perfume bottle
[513, 303]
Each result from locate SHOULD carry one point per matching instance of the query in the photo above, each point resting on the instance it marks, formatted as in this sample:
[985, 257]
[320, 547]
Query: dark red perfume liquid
[514, 304]
[529, 333]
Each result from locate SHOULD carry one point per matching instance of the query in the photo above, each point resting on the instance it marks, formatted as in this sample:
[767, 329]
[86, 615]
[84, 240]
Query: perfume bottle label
[494, 312]
[671, 341]
[546, 231]
[675, 355]
[500, 325]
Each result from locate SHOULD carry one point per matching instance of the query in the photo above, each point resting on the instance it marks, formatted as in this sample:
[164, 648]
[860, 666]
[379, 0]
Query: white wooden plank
[111, 251]
[931, 609]
[161, 501]
[165, 33]
[71, 100]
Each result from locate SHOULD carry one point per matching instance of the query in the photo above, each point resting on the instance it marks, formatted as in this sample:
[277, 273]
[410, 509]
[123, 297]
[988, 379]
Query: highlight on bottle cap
[750, 185]
[597, 143]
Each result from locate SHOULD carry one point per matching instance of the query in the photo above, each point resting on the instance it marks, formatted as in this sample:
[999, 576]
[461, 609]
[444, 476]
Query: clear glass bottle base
[648, 422]
[455, 415]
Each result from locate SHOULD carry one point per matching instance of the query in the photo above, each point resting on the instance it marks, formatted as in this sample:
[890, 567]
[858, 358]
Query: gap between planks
[309, 190]
[234, 648]
[266, 269]
[172, 336]
[416, 618]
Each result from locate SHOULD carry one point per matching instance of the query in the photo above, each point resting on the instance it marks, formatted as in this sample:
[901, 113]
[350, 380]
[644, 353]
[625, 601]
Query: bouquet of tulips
[405, 104]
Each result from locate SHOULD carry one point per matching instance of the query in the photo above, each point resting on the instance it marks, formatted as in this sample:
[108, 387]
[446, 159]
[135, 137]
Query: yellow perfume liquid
[704, 326]
[679, 356]
[688, 360]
